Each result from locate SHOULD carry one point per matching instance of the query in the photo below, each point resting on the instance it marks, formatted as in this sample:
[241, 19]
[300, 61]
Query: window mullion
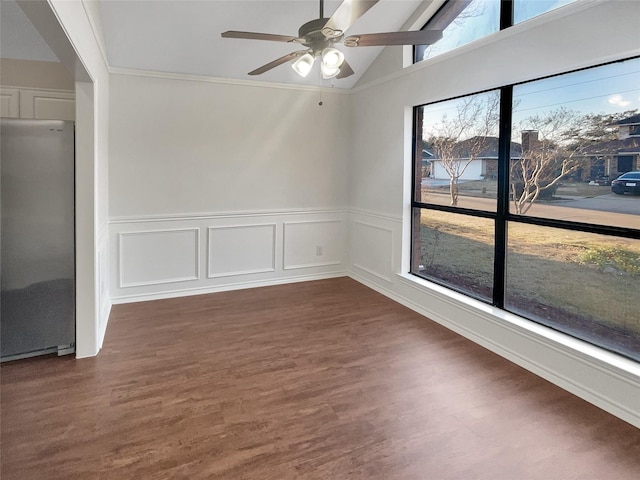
[504, 156]
[506, 14]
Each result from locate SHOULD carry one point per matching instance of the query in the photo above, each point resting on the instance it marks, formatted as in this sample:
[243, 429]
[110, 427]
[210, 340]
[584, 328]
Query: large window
[513, 201]
[526, 9]
[463, 21]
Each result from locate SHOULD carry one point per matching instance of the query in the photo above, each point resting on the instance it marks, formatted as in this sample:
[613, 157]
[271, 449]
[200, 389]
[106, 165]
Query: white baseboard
[225, 288]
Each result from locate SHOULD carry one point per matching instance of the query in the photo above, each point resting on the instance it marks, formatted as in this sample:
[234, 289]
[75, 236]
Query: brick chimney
[530, 140]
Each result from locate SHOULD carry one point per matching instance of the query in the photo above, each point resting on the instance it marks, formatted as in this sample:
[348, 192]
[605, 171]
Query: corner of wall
[378, 258]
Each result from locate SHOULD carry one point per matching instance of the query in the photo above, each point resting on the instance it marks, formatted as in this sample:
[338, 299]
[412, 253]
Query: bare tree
[598, 127]
[549, 154]
[460, 140]
[454, 16]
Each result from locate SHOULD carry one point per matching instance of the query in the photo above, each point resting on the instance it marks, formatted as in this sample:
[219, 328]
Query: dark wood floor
[319, 380]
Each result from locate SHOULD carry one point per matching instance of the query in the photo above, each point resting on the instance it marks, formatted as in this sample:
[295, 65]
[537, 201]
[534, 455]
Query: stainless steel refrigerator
[37, 309]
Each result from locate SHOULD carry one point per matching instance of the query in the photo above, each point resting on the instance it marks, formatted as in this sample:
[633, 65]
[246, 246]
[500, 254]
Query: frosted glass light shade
[328, 72]
[302, 66]
[332, 58]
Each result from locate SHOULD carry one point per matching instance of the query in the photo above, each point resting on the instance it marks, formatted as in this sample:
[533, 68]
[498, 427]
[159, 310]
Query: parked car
[626, 183]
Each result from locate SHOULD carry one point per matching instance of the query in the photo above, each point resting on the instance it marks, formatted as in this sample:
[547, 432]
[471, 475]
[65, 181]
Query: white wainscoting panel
[9, 103]
[159, 256]
[372, 249]
[241, 250]
[153, 257]
[313, 243]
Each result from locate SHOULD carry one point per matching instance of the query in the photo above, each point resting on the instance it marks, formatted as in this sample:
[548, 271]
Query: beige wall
[35, 74]
[179, 146]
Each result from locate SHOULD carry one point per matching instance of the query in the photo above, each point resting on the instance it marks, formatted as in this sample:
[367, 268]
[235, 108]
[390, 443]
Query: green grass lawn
[549, 271]
[488, 189]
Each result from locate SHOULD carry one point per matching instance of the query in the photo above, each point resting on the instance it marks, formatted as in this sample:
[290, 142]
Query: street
[609, 209]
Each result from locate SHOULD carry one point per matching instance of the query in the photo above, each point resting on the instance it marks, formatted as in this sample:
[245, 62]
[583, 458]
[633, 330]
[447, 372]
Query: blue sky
[607, 89]
[482, 17]
[525, 9]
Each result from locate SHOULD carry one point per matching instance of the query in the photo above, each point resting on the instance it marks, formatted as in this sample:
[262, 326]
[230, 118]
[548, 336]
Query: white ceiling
[182, 36]
[19, 39]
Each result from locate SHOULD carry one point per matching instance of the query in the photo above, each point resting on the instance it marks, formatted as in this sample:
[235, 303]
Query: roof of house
[614, 147]
[633, 120]
[489, 148]
[627, 146]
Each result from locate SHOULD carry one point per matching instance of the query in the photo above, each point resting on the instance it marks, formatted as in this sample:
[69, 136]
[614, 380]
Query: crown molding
[223, 81]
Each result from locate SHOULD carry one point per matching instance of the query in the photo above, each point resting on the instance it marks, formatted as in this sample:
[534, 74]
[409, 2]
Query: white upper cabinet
[9, 102]
[38, 104]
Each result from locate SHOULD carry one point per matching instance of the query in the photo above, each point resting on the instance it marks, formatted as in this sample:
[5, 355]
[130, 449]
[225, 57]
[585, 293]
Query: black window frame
[449, 11]
[442, 18]
[502, 215]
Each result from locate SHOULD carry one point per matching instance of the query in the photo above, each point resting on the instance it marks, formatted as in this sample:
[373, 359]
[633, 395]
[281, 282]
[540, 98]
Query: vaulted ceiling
[184, 37]
[19, 39]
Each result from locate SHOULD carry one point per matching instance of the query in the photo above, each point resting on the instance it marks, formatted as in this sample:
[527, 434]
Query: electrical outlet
[319, 252]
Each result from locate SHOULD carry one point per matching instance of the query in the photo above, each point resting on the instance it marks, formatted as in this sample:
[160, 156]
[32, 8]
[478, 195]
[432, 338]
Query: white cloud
[618, 101]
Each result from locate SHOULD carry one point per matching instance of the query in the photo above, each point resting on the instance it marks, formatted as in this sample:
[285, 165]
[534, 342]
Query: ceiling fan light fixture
[302, 66]
[332, 58]
[319, 36]
[328, 72]
[329, 32]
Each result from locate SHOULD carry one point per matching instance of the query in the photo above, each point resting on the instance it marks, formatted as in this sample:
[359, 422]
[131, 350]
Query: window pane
[526, 9]
[455, 250]
[576, 133]
[462, 21]
[583, 284]
[459, 159]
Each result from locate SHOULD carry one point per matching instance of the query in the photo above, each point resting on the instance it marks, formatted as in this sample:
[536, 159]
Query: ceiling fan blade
[420, 37]
[279, 61]
[345, 16]
[345, 70]
[258, 36]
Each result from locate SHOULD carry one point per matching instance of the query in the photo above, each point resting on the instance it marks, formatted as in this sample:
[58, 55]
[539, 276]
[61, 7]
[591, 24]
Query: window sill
[539, 333]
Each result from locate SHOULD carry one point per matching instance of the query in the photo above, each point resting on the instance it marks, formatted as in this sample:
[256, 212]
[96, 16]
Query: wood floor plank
[316, 380]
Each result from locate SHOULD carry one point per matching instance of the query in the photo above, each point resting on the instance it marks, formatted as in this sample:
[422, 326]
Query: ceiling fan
[320, 36]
